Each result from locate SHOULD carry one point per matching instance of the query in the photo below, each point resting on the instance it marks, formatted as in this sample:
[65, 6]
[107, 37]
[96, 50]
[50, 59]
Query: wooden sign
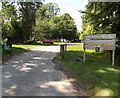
[104, 41]
[102, 47]
[100, 36]
[100, 42]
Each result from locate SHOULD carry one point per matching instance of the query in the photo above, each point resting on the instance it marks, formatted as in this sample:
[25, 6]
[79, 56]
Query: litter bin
[65, 47]
[8, 47]
[62, 51]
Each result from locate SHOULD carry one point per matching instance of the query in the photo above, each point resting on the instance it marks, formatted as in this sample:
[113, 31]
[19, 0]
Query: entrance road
[32, 74]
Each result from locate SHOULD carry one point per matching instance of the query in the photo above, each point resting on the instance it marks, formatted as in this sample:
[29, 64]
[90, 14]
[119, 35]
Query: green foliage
[63, 27]
[43, 16]
[9, 14]
[18, 22]
[55, 27]
[41, 29]
[102, 17]
[50, 26]
[28, 10]
[68, 27]
[47, 10]
[31, 21]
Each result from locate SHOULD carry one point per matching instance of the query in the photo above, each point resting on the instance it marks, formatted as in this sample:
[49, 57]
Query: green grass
[97, 74]
[18, 48]
[57, 43]
[26, 47]
[40, 43]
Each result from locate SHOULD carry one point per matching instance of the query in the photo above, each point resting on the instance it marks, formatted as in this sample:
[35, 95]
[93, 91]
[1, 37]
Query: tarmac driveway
[32, 74]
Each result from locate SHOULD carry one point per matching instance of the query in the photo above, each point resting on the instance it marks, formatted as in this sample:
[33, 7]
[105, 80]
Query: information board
[104, 41]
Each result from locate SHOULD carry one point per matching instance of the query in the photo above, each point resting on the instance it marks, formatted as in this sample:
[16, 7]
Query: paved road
[32, 74]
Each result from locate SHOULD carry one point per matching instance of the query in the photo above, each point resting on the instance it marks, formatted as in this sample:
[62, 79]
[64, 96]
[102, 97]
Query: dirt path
[33, 74]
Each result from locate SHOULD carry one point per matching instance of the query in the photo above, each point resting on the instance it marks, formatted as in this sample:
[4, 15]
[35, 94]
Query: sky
[0, 5]
[71, 7]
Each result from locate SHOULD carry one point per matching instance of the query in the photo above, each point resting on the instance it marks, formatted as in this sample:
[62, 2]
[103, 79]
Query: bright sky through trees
[71, 7]
[0, 5]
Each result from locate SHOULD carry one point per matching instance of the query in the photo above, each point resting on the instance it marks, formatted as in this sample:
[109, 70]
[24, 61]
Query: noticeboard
[103, 41]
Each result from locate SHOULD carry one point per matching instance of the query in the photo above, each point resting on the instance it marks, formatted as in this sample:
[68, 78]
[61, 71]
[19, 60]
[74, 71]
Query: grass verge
[97, 75]
[43, 44]
[18, 48]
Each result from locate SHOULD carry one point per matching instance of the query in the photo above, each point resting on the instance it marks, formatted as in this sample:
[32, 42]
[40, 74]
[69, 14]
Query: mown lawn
[97, 75]
[58, 43]
[18, 48]
[55, 43]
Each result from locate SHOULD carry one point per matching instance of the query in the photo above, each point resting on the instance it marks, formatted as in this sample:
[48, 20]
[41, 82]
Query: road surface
[33, 74]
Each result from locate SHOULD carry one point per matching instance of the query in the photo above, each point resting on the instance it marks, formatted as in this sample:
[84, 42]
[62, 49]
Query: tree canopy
[27, 21]
[64, 26]
[104, 18]
[51, 26]
[18, 22]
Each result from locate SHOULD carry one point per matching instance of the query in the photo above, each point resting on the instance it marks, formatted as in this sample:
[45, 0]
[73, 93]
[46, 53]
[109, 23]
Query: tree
[52, 10]
[68, 29]
[42, 29]
[18, 22]
[48, 10]
[43, 16]
[105, 18]
[63, 27]
[9, 14]
[55, 27]
[27, 14]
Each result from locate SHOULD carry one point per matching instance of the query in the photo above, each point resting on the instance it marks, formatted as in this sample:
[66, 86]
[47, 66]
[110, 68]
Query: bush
[117, 51]
[118, 42]
[117, 55]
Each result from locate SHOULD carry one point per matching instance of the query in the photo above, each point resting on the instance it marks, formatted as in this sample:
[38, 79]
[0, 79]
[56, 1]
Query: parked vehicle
[48, 42]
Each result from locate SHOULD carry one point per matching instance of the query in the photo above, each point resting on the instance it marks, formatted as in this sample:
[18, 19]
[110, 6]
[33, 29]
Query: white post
[113, 57]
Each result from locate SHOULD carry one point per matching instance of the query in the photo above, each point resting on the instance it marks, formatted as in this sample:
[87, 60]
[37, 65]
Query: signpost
[100, 41]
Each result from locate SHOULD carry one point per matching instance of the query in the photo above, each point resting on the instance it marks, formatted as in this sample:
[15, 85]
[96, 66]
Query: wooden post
[84, 55]
[113, 57]
[62, 51]
[65, 47]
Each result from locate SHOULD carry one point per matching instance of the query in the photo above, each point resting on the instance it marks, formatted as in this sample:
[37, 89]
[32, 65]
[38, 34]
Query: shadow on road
[32, 74]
